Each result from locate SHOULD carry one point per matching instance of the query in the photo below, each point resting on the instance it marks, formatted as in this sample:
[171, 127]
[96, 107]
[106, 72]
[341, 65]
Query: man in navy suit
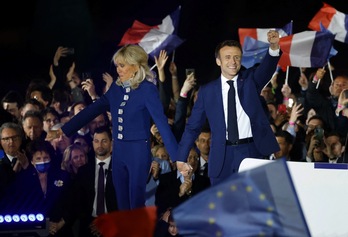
[254, 137]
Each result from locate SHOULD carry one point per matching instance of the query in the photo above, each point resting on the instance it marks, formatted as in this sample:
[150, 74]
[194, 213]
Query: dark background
[31, 31]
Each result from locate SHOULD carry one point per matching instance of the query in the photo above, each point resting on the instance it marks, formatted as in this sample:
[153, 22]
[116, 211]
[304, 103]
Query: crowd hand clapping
[22, 161]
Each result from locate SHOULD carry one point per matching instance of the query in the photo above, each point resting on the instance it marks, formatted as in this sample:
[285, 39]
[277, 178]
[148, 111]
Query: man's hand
[273, 39]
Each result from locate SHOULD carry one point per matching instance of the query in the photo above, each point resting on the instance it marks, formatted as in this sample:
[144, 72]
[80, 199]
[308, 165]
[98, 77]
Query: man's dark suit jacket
[84, 192]
[209, 106]
[7, 175]
[167, 193]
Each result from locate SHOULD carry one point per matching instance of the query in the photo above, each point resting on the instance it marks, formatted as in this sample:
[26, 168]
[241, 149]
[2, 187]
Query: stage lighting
[32, 224]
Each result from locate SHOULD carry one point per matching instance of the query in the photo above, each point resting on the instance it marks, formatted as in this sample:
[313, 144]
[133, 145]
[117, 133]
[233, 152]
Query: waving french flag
[260, 34]
[306, 49]
[333, 20]
[153, 39]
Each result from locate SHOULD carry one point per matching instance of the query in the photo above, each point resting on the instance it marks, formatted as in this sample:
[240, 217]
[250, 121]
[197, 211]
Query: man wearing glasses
[14, 159]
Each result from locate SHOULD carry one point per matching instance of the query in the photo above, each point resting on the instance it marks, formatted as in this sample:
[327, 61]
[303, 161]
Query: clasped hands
[186, 170]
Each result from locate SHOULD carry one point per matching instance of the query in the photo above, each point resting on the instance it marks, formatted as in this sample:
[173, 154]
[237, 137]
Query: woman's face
[78, 158]
[124, 70]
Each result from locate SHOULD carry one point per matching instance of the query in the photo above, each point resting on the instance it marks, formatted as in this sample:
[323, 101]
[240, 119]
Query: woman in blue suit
[133, 100]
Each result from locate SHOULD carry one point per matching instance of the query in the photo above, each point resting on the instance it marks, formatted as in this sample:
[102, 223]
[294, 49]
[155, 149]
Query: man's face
[339, 84]
[10, 141]
[203, 143]
[102, 145]
[33, 127]
[12, 108]
[335, 144]
[229, 61]
[284, 148]
[99, 121]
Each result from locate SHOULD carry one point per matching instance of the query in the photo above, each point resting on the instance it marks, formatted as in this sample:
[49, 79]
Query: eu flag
[258, 202]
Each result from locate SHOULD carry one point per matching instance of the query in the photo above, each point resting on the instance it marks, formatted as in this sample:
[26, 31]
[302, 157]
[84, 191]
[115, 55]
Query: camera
[282, 109]
[319, 133]
[86, 75]
[70, 51]
[189, 71]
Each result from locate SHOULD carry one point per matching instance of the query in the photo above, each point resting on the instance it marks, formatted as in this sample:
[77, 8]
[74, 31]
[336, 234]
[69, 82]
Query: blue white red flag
[260, 34]
[306, 49]
[155, 38]
[333, 20]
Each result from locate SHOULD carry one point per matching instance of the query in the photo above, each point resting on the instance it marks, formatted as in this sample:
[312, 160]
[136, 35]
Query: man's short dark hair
[230, 43]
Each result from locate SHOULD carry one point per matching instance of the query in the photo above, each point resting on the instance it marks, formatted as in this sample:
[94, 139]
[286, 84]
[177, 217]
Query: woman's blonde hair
[134, 55]
[66, 162]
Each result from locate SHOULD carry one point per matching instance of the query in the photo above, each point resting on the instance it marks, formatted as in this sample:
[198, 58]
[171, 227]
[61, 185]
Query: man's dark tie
[205, 171]
[14, 160]
[232, 126]
[101, 190]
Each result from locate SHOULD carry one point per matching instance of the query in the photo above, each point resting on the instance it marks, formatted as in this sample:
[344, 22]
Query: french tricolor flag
[153, 39]
[260, 34]
[306, 49]
[333, 20]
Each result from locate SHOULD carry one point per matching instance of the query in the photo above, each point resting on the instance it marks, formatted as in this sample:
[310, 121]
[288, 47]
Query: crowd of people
[74, 154]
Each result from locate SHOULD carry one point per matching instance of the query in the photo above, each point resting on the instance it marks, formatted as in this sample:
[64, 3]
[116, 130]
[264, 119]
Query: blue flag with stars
[258, 202]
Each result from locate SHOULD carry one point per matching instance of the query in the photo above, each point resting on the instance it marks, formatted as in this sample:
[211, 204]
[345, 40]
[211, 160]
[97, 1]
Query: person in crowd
[45, 189]
[81, 141]
[86, 184]
[174, 188]
[133, 101]
[203, 147]
[285, 141]
[13, 102]
[335, 148]
[14, 159]
[59, 144]
[234, 137]
[326, 106]
[50, 118]
[74, 157]
[32, 124]
[315, 140]
[31, 104]
[40, 92]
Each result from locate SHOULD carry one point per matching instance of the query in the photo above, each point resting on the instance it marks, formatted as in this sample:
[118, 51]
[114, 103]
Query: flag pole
[287, 75]
[153, 67]
[275, 73]
[173, 55]
[330, 69]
